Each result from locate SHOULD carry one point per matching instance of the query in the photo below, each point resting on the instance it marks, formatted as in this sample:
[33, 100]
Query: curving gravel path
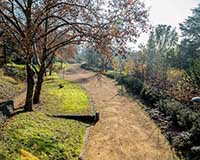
[125, 131]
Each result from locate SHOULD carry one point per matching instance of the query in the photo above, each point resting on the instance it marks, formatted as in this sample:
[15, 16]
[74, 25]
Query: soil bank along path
[124, 131]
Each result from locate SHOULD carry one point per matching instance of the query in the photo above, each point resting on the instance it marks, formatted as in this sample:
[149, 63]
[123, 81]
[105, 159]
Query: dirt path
[124, 131]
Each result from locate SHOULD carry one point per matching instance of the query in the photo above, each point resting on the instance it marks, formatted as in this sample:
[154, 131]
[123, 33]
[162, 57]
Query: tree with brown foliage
[41, 27]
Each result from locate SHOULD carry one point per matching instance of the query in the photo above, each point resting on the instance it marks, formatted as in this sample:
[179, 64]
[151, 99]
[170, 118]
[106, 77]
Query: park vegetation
[165, 73]
[37, 135]
[40, 29]
[38, 37]
[41, 35]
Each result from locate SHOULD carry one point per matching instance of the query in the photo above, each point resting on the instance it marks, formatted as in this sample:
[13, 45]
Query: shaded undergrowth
[9, 86]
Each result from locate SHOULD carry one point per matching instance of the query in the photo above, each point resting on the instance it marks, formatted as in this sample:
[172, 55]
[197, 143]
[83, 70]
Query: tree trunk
[105, 67]
[50, 68]
[38, 88]
[4, 54]
[61, 64]
[30, 87]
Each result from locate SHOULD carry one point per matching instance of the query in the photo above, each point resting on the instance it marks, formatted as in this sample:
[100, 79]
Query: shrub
[116, 65]
[151, 94]
[133, 84]
[91, 68]
[181, 88]
[173, 75]
[114, 75]
[194, 70]
[182, 141]
[128, 68]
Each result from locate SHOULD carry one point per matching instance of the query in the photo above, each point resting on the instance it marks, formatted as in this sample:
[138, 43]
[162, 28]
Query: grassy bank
[71, 98]
[45, 137]
[9, 86]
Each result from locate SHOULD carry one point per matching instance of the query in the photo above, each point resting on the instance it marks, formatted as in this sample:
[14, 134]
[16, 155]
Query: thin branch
[12, 23]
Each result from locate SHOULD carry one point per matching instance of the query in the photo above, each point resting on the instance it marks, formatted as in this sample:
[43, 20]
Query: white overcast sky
[170, 12]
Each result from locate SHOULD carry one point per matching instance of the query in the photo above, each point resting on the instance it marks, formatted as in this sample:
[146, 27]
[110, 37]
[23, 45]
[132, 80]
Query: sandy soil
[124, 132]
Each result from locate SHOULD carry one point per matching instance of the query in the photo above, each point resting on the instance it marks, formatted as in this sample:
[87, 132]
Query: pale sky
[170, 12]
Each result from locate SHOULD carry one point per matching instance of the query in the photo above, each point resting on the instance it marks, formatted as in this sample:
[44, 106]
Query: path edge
[87, 133]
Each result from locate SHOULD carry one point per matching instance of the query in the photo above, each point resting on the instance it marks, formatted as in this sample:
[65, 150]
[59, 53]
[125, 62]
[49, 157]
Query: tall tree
[41, 27]
[191, 38]
[161, 47]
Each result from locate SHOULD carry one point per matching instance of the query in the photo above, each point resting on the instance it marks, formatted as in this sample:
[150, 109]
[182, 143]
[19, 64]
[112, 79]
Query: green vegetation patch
[58, 66]
[9, 87]
[114, 74]
[16, 70]
[18, 66]
[44, 137]
[71, 98]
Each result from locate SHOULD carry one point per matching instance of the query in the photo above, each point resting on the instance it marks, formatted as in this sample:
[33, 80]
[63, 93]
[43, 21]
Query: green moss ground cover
[45, 137]
[57, 66]
[69, 99]
[16, 70]
[18, 66]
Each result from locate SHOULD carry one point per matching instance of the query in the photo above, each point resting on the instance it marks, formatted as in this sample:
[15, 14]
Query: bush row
[88, 67]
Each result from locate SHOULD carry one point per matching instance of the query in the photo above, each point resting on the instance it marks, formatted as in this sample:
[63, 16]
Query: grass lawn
[18, 66]
[69, 99]
[44, 137]
[57, 66]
